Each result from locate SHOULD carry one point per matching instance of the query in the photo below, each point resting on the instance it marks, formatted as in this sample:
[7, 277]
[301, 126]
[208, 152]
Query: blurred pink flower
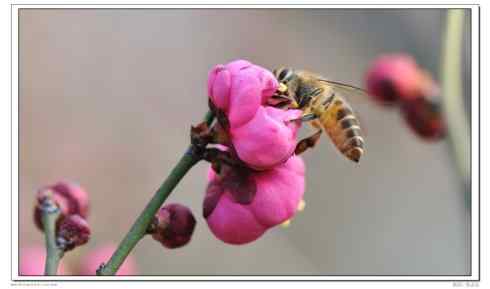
[392, 78]
[262, 136]
[236, 215]
[70, 198]
[174, 226]
[425, 119]
[90, 262]
[31, 262]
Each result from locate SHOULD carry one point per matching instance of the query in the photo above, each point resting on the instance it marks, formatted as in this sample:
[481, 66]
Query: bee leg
[316, 92]
[307, 143]
[306, 117]
[309, 96]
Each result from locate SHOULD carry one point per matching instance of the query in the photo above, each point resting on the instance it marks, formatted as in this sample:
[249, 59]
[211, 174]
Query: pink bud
[73, 231]
[69, 197]
[174, 225]
[32, 259]
[397, 77]
[424, 117]
[90, 262]
[76, 196]
[277, 194]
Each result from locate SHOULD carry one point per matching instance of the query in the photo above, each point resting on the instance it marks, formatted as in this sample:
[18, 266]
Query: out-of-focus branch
[50, 213]
[452, 92]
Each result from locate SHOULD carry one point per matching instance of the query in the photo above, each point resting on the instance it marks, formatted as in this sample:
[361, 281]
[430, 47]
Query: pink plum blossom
[31, 262]
[278, 192]
[90, 262]
[262, 136]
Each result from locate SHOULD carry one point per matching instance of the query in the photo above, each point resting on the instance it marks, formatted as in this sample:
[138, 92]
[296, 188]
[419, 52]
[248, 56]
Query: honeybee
[324, 107]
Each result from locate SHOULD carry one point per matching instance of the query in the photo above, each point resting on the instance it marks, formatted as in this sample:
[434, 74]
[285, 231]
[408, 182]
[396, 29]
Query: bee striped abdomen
[343, 127]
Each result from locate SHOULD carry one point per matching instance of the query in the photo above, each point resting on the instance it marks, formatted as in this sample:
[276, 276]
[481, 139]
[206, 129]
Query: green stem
[140, 226]
[452, 92]
[50, 213]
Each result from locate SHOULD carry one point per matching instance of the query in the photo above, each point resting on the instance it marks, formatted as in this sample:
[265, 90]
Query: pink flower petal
[235, 66]
[212, 76]
[281, 190]
[221, 89]
[268, 81]
[278, 194]
[267, 139]
[245, 98]
[234, 223]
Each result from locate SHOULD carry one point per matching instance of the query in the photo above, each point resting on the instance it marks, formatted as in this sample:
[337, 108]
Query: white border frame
[475, 181]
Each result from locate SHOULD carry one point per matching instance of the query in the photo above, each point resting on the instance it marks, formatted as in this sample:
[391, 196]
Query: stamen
[286, 223]
[301, 205]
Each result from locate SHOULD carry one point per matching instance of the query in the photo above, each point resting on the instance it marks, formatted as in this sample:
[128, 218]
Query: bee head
[288, 77]
[283, 74]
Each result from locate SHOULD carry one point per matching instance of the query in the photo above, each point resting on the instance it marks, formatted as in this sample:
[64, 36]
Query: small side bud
[173, 226]
[73, 231]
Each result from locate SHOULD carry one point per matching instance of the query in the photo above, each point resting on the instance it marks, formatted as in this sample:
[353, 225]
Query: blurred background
[107, 97]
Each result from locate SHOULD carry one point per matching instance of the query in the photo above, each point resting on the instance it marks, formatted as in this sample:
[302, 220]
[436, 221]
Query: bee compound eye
[285, 74]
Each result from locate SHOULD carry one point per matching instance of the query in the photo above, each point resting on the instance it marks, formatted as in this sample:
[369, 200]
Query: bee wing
[346, 89]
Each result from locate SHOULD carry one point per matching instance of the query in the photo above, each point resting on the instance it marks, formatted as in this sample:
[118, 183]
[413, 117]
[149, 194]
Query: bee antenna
[343, 84]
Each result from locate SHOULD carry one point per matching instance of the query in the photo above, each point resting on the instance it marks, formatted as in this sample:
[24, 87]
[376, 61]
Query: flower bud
[77, 197]
[424, 117]
[73, 231]
[69, 197]
[397, 77]
[173, 226]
